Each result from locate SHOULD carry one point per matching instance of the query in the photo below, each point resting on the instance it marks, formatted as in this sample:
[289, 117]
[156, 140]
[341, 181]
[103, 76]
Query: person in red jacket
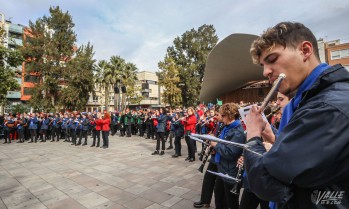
[189, 127]
[104, 121]
[96, 132]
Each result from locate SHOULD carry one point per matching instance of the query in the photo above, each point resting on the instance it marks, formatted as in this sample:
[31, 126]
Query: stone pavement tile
[183, 204]
[169, 203]
[161, 186]
[122, 184]
[54, 200]
[9, 183]
[155, 196]
[91, 200]
[66, 203]
[48, 194]
[171, 179]
[147, 182]
[31, 204]
[177, 191]
[138, 203]
[39, 187]
[137, 189]
[154, 206]
[106, 205]
[123, 197]
[18, 198]
[75, 190]
[192, 195]
[2, 204]
[110, 192]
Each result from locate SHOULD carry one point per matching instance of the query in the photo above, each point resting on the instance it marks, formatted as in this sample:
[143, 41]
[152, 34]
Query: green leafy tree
[129, 79]
[47, 52]
[169, 78]
[79, 82]
[189, 53]
[8, 59]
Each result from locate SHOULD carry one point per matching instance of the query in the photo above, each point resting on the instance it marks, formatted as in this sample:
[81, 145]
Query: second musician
[227, 156]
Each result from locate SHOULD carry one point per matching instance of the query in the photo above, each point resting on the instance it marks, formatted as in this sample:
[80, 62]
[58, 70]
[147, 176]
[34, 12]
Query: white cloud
[141, 30]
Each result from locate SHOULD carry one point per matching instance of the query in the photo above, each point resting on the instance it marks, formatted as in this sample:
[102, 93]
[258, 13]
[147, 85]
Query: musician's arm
[260, 181]
[313, 145]
[230, 151]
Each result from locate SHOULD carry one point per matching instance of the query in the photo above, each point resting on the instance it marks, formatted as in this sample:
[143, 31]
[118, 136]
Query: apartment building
[12, 39]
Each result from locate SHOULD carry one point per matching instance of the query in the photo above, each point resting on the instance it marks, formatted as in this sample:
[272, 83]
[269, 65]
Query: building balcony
[16, 28]
[15, 41]
[149, 102]
[13, 95]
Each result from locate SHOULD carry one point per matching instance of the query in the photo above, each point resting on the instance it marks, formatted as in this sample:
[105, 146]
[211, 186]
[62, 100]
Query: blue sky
[141, 30]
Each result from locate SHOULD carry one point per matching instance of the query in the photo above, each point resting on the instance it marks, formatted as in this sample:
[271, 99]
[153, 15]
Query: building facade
[13, 38]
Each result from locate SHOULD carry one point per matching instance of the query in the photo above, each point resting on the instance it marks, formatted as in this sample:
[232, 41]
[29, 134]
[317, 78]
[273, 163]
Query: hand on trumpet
[255, 124]
[240, 162]
[213, 144]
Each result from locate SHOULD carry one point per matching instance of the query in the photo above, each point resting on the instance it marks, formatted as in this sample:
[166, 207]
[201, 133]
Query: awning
[229, 67]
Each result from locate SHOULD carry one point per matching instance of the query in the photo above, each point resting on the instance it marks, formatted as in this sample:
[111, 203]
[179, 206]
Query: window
[95, 99]
[28, 91]
[152, 82]
[31, 78]
[339, 54]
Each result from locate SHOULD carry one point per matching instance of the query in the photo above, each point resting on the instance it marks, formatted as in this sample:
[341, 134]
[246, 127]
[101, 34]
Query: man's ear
[307, 49]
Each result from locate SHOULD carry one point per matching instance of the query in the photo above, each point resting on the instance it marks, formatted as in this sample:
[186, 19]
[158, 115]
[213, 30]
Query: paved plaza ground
[59, 175]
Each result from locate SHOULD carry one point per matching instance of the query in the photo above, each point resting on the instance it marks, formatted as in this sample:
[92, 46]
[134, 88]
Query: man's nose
[267, 71]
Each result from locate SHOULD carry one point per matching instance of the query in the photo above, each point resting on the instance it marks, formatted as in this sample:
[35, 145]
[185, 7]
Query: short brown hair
[230, 110]
[286, 34]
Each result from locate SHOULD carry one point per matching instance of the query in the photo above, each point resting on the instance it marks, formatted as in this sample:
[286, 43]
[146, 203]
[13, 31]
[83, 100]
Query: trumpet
[237, 186]
[273, 89]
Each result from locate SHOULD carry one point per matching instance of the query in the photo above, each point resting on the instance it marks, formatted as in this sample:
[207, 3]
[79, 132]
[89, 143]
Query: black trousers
[208, 184]
[160, 136]
[191, 145]
[83, 135]
[250, 201]
[33, 134]
[105, 137]
[141, 129]
[73, 135]
[96, 134]
[223, 197]
[20, 135]
[128, 129]
[55, 132]
[178, 145]
[150, 131]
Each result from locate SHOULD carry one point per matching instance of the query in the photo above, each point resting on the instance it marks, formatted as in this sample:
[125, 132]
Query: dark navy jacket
[230, 154]
[311, 154]
[162, 119]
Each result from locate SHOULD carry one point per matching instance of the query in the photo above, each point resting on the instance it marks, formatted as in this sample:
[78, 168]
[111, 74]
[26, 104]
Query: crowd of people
[295, 157]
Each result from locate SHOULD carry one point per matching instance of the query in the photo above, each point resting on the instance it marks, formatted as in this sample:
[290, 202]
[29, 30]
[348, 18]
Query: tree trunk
[106, 93]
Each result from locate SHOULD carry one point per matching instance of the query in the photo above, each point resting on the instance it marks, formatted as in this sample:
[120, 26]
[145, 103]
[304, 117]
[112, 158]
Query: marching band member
[227, 156]
[209, 180]
[33, 126]
[308, 161]
[160, 132]
[189, 127]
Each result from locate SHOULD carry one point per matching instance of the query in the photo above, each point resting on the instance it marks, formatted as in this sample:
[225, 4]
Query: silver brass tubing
[275, 87]
[215, 139]
[224, 176]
